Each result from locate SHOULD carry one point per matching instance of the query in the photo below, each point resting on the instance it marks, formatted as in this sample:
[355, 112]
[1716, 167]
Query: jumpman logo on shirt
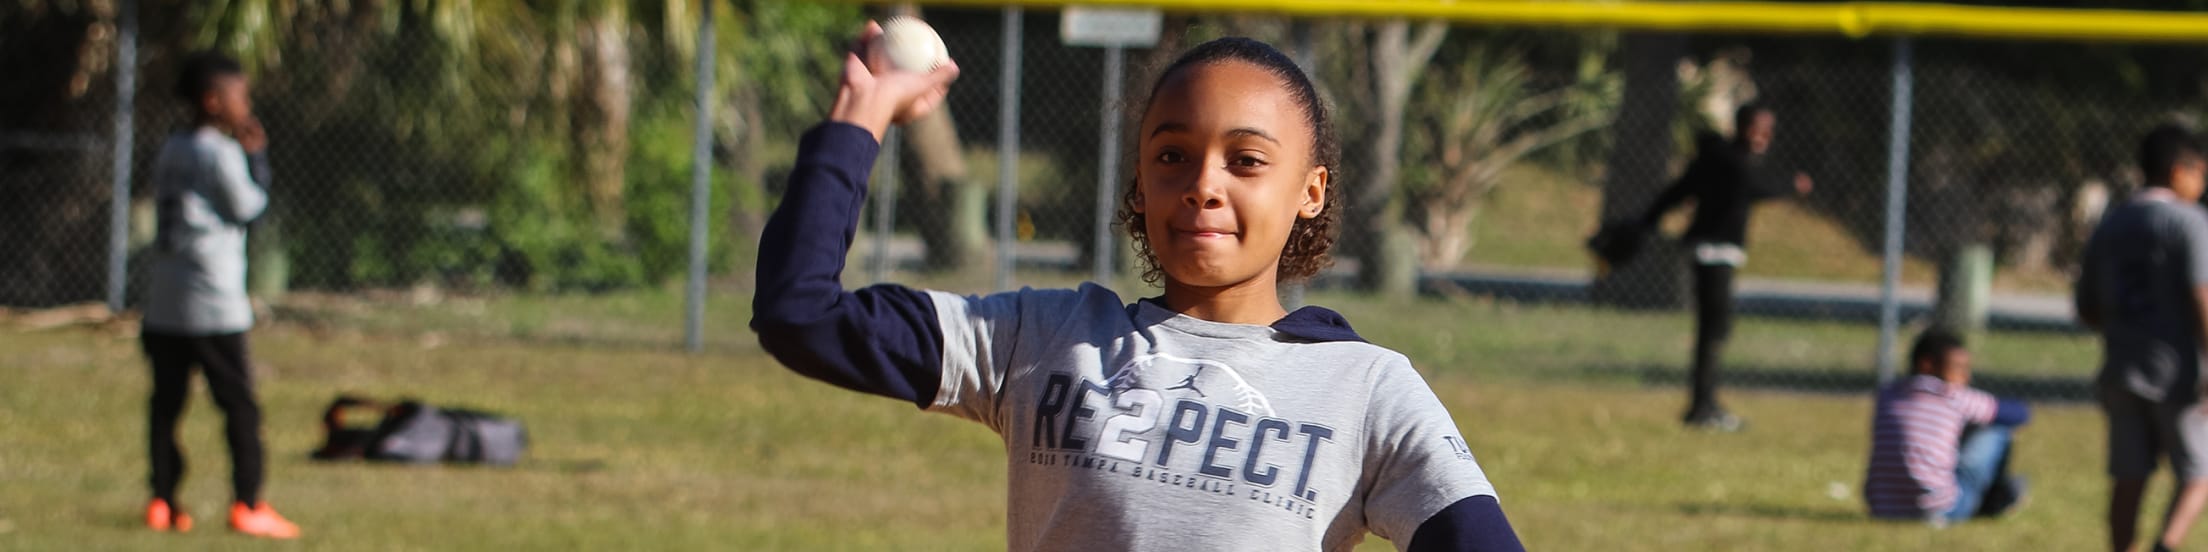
[1190, 383]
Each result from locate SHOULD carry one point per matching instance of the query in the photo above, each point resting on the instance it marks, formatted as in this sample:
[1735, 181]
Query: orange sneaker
[262, 521]
[161, 517]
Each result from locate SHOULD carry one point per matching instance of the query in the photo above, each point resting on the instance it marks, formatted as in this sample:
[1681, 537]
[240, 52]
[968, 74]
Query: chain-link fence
[467, 157]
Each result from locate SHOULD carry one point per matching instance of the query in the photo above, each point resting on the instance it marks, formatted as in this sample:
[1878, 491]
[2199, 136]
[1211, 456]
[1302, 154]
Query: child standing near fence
[209, 182]
[1207, 418]
[1725, 180]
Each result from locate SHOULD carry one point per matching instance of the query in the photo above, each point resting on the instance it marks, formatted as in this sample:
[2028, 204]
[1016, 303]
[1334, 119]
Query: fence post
[1008, 147]
[1897, 202]
[1107, 164]
[118, 212]
[701, 188]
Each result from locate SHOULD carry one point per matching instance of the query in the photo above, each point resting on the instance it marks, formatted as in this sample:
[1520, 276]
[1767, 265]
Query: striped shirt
[1915, 431]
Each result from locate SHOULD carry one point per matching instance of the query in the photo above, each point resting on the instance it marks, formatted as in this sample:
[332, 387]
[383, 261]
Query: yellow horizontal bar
[1852, 19]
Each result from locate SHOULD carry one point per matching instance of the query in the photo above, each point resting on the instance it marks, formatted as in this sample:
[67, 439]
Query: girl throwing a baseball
[1205, 418]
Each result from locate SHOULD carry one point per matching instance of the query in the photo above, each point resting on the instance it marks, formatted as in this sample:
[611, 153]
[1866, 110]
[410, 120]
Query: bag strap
[463, 433]
[394, 417]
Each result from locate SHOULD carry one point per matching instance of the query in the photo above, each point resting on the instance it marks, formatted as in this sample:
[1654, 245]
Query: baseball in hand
[911, 45]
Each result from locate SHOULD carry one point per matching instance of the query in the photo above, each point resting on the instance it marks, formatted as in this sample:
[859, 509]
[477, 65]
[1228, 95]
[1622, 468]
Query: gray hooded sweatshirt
[205, 194]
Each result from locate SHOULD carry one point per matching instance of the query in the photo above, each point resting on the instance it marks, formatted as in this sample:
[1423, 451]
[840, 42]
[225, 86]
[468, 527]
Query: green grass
[650, 318]
[640, 448]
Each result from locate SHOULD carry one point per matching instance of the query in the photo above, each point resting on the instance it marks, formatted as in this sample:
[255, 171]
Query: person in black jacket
[1724, 180]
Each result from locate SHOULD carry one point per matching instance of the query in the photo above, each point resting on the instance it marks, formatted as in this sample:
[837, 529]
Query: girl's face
[1225, 171]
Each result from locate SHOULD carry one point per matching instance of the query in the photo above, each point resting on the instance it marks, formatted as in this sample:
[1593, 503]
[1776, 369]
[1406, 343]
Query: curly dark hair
[1310, 240]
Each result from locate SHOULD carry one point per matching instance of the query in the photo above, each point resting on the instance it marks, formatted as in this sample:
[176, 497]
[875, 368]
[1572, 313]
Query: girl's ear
[1135, 185]
[1314, 193]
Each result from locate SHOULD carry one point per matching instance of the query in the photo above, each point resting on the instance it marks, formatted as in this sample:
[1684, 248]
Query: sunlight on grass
[640, 448]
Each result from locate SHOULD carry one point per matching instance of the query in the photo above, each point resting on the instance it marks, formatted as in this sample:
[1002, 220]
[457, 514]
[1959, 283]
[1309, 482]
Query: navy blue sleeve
[883, 339]
[2012, 413]
[256, 165]
[1474, 524]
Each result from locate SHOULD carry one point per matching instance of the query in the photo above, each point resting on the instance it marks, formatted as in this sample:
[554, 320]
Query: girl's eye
[1170, 156]
[1247, 161]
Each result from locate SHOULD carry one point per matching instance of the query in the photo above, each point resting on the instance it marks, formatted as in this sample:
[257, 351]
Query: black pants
[1713, 324]
[222, 358]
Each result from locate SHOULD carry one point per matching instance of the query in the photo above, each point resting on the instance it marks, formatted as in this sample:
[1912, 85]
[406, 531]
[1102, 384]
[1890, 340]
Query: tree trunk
[748, 212]
[1448, 232]
[54, 195]
[1639, 167]
[952, 206]
[950, 210]
[1390, 259]
[601, 117]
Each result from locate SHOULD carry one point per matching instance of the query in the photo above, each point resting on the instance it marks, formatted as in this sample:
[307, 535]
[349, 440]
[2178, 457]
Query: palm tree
[1483, 115]
[1385, 61]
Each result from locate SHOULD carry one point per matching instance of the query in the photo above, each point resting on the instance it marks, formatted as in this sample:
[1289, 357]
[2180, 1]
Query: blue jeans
[1984, 487]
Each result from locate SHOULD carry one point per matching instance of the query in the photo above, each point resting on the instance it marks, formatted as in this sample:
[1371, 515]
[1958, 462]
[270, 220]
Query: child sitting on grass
[1940, 449]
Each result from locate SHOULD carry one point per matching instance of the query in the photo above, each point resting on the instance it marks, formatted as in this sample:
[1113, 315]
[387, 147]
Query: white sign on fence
[1109, 27]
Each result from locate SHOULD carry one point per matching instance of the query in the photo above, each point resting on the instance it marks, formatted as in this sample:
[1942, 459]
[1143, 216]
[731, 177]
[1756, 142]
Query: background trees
[543, 144]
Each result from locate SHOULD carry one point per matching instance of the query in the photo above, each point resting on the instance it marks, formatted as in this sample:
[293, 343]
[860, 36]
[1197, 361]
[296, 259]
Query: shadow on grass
[1773, 511]
[565, 466]
[1828, 379]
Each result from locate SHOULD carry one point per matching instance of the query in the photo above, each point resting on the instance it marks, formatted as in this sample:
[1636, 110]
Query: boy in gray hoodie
[209, 183]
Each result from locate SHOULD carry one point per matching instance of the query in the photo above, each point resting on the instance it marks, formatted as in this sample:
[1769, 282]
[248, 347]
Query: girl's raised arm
[884, 339]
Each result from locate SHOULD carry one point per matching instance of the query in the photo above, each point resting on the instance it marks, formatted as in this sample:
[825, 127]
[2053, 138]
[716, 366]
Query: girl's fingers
[854, 71]
[867, 51]
[944, 74]
[863, 45]
[921, 92]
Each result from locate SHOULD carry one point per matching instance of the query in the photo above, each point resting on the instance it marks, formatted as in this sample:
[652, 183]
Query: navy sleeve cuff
[841, 146]
[1475, 524]
[2012, 412]
[256, 166]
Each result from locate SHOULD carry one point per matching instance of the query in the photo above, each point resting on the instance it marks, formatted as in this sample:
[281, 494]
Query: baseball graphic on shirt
[1209, 379]
[911, 45]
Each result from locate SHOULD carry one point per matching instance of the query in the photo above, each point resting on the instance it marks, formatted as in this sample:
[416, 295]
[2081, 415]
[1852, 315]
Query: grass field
[637, 447]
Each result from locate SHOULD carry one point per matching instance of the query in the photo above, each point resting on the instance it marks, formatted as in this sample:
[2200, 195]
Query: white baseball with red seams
[911, 45]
